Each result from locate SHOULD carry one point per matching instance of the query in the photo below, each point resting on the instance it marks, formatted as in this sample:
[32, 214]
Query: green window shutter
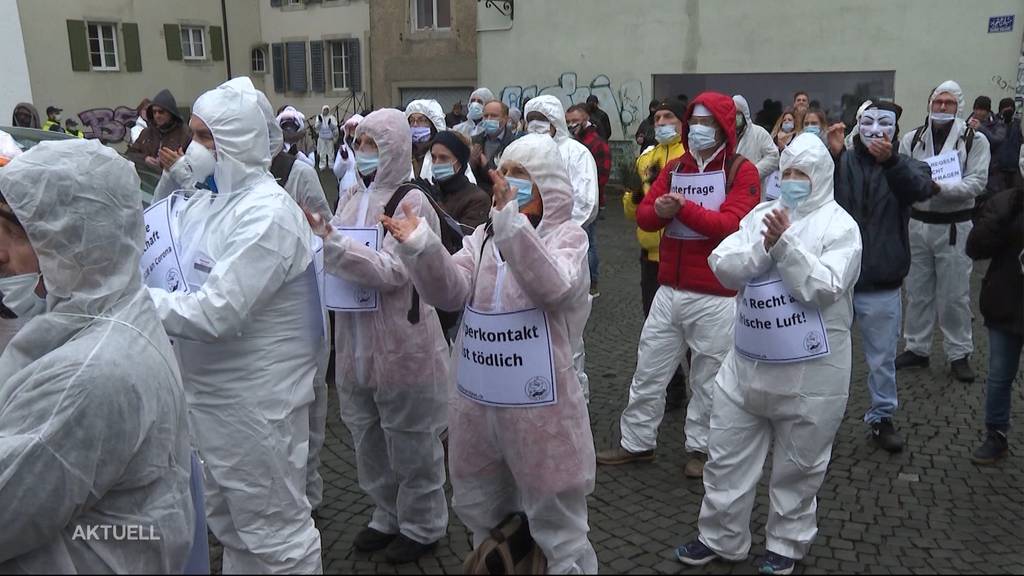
[132, 54]
[172, 36]
[79, 44]
[216, 43]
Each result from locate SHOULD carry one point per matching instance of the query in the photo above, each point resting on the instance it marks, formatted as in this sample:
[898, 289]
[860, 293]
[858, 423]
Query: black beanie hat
[983, 103]
[453, 142]
[676, 107]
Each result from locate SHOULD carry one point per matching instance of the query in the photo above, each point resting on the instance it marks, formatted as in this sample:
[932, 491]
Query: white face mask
[201, 160]
[19, 294]
[876, 125]
[942, 117]
[539, 127]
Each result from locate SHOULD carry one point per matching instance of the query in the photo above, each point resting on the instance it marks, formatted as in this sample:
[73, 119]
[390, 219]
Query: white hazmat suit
[581, 169]
[432, 110]
[939, 282]
[536, 459]
[391, 372]
[756, 144]
[247, 337]
[326, 126]
[93, 429]
[796, 406]
[345, 160]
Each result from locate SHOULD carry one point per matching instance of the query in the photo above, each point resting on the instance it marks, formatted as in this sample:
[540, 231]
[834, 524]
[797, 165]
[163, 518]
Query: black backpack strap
[389, 210]
[917, 138]
[732, 167]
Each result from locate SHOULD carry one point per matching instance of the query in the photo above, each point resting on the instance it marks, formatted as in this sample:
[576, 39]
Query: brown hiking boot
[695, 467]
[619, 455]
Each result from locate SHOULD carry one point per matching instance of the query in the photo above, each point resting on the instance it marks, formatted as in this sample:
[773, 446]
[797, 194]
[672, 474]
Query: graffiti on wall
[626, 104]
[109, 125]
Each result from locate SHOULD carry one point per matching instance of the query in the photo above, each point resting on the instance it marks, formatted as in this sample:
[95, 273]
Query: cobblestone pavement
[926, 510]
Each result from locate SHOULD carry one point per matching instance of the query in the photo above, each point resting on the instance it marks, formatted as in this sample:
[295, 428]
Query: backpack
[452, 231]
[510, 549]
[281, 167]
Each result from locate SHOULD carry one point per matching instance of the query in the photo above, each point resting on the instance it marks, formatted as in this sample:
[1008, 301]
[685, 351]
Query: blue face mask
[367, 163]
[420, 134]
[476, 111]
[524, 190]
[701, 137]
[666, 134]
[491, 126]
[794, 192]
[442, 172]
[816, 130]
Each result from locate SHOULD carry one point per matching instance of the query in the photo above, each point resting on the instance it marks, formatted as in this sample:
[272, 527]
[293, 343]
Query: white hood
[552, 108]
[243, 83]
[807, 153]
[240, 136]
[429, 108]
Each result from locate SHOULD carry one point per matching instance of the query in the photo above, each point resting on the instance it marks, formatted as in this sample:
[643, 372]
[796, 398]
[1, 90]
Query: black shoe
[910, 360]
[961, 370]
[995, 448]
[885, 434]
[404, 550]
[370, 540]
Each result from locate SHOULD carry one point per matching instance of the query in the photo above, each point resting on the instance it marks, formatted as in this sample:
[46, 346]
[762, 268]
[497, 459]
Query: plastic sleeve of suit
[742, 196]
[546, 273]
[584, 186]
[177, 177]
[763, 142]
[304, 186]
[63, 432]
[741, 256]
[255, 265]
[815, 280]
[380, 269]
[442, 280]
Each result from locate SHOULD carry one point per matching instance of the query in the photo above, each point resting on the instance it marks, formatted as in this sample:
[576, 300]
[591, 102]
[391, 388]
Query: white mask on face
[201, 160]
[877, 124]
[19, 294]
[539, 127]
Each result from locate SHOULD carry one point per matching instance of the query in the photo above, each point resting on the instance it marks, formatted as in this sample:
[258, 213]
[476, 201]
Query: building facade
[840, 52]
[423, 49]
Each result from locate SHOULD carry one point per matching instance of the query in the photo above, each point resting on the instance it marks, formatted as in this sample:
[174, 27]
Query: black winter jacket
[998, 234]
[879, 196]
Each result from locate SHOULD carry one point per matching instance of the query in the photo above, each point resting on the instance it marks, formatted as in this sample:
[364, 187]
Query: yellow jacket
[648, 165]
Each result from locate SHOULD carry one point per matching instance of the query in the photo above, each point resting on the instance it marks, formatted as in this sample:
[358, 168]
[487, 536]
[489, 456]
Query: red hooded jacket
[684, 263]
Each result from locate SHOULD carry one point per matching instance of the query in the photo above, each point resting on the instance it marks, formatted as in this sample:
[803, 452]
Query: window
[192, 45]
[102, 46]
[431, 14]
[259, 61]
[339, 65]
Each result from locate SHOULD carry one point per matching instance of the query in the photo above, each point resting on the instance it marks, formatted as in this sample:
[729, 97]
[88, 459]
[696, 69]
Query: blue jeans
[592, 251]
[1003, 363]
[878, 314]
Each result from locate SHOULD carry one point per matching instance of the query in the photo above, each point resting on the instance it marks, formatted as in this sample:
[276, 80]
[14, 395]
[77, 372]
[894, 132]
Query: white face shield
[876, 124]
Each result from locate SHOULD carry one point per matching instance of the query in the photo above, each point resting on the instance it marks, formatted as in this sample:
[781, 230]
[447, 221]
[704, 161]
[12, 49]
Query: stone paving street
[927, 510]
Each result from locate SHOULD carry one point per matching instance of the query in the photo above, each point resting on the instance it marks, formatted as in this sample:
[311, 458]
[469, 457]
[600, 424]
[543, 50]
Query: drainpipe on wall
[227, 45]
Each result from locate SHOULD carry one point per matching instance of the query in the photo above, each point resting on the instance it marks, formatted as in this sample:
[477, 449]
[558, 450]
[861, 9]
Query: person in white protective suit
[535, 457]
[420, 113]
[545, 115]
[94, 440]
[326, 126]
[473, 126]
[298, 179]
[345, 160]
[754, 142]
[247, 337]
[939, 283]
[391, 362]
[803, 249]
[293, 125]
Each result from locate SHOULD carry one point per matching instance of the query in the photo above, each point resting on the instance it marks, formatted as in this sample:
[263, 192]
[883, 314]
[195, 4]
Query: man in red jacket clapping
[699, 199]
